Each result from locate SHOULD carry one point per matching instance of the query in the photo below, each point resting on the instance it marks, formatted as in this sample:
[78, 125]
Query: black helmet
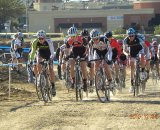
[108, 34]
[84, 32]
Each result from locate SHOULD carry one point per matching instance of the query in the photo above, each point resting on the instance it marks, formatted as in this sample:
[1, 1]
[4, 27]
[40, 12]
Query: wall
[47, 20]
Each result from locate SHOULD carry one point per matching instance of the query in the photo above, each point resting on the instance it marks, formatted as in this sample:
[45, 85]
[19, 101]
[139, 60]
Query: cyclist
[147, 50]
[85, 34]
[133, 45]
[44, 49]
[77, 43]
[116, 52]
[18, 48]
[154, 56]
[57, 58]
[122, 58]
[101, 49]
[63, 57]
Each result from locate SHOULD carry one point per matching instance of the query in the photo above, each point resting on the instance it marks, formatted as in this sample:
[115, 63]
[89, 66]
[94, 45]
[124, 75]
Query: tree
[10, 9]
[157, 29]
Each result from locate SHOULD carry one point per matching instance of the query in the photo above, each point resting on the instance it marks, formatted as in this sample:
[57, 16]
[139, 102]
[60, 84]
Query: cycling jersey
[77, 45]
[103, 44]
[18, 48]
[78, 42]
[101, 49]
[135, 46]
[147, 43]
[114, 44]
[45, 50]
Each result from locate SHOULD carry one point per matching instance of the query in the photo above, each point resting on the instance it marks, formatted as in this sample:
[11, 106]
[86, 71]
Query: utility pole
[27, 20]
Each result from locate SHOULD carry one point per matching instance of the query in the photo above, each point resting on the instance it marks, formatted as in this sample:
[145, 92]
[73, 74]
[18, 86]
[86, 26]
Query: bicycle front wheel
[43, 86]
[102, 94]
[79, 90]
[38, 90]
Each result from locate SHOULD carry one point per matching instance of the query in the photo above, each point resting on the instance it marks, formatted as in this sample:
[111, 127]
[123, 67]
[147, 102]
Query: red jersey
[147, 43]
[77, 42]
[114, 44]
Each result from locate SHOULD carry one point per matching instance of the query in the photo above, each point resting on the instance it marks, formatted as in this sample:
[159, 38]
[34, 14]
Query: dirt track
[123, 112]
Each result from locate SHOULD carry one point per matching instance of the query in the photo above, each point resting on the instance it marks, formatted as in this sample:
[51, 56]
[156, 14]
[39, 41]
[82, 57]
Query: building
[59, 20]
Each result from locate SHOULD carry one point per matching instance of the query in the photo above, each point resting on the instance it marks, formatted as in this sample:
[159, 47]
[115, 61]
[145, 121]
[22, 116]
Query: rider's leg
[72, 72]
[132, 64]
[84, 73]
[52, 77]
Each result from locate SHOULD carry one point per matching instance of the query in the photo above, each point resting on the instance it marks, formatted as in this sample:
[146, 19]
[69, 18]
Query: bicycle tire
[100, 88]
[43, 86]
[78, 81]
[38, 90]
[154, 76]
[107, 93]
[121, 81]
[136, 86]
[67, 80]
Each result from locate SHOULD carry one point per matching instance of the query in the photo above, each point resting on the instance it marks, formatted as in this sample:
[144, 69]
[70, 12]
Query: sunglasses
[41, 39]
[131, 35]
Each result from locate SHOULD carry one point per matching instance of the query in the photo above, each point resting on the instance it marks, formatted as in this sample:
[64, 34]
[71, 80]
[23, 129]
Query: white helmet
[94, 33]
[154, 39]
[41, 34]
[19, 34]
[72, 31]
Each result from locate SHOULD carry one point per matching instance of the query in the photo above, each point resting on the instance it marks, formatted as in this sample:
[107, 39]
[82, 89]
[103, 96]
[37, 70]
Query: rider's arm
[51, 47]
[33, 49]
[125, 47]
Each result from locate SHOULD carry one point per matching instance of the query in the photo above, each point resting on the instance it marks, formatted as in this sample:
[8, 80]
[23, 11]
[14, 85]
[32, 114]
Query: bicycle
[102, 89]
[45, 82]
[67, 78]
[78, 78]
[35, 80]
[121, 76]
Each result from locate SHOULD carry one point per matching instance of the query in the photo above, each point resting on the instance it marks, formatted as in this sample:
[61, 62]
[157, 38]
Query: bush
[157, 29]
[119, 31]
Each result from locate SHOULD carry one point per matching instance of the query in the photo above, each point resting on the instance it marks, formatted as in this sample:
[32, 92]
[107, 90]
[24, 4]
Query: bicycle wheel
[107, 93]
[43, 86]
[67, 79]
[102, 94]
[122, 80]
[136, 86]
[38, 90]
[49, 87]
[154, 76]
[143, 86]
[79, 90]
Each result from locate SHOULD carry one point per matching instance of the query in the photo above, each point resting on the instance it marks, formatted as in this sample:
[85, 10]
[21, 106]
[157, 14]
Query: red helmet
[120, 42]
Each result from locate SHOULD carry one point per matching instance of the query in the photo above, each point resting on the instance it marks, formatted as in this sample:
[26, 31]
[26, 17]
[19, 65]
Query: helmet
[84, 32]
[154, 44]
[41, 34]
[94, 33]
[154, 39]
[108, 34]
[131, 31]
[141, 36]
[19, 34]
[72, 31]
[120, 42]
